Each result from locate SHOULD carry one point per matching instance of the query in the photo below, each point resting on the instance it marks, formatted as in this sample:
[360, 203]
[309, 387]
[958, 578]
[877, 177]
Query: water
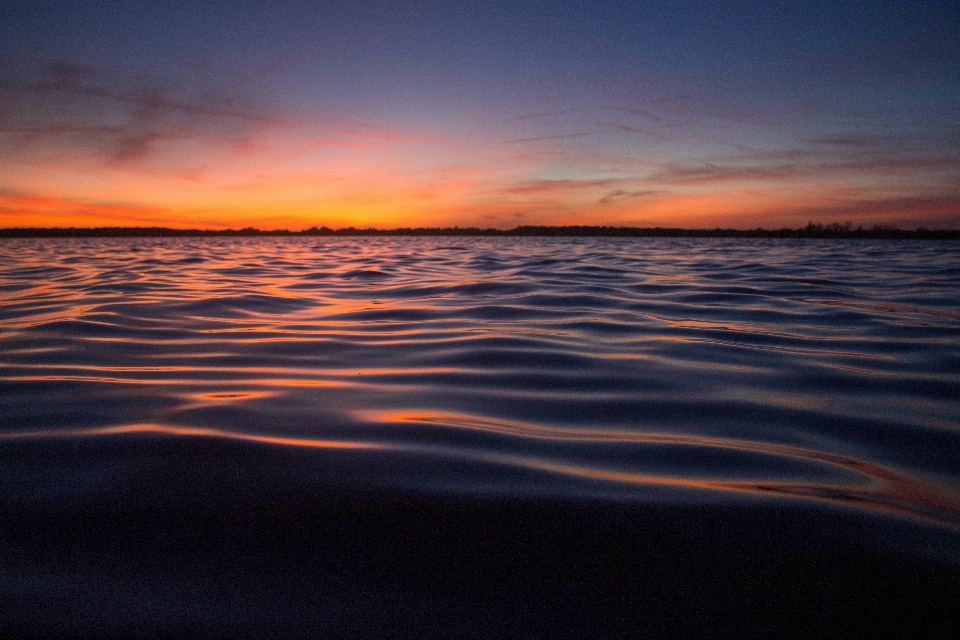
[373, 435]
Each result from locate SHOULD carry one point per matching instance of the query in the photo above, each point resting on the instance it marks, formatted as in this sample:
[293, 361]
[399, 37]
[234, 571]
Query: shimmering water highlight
[621, 369]
[509, 437]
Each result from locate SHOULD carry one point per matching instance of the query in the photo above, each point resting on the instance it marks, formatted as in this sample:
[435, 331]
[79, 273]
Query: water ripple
[629, 369]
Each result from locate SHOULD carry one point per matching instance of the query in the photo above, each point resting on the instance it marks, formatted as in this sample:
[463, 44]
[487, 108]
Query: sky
[291, 114]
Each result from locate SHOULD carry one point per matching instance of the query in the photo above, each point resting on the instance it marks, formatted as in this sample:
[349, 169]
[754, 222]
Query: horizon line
[812, 230]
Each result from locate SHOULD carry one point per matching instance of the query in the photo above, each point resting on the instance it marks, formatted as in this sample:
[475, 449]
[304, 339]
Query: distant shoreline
[837, 231]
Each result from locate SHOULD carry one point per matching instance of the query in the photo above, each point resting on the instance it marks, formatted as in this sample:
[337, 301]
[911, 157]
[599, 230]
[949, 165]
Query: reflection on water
[521, 437]
[816, 371]
[181, 431]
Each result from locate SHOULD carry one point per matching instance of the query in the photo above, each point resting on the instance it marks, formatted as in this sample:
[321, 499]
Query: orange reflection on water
[897, 493]
[883, 488]
[208, 398]
[172, 430]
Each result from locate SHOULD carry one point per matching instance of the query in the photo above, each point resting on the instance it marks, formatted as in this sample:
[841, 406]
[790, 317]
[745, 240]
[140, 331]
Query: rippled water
[786, 374]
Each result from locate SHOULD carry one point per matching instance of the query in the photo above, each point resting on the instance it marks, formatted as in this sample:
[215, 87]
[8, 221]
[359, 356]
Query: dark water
[479, 437]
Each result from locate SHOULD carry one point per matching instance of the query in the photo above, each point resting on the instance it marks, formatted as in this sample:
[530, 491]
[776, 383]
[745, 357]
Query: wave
[626, 369]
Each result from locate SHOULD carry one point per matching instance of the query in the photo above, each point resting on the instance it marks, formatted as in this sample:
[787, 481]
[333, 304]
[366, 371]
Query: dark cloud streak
[544, 114]
[732, 169]
[542, 187]
[848, 140]
[560, 136]
[118, 117]
[618, 195]
[713, 173]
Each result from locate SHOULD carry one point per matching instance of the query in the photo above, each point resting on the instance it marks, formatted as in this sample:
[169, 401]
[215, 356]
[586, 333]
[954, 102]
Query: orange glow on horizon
[387, 180]
[443, 206]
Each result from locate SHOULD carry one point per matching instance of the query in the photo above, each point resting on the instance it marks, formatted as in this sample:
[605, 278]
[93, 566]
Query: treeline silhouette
[812, 230]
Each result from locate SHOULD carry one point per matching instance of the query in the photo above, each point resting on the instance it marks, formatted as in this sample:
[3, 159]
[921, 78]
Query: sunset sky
[292, 114]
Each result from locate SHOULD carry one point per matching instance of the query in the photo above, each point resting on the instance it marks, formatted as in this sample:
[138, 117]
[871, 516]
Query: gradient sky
[290, 114]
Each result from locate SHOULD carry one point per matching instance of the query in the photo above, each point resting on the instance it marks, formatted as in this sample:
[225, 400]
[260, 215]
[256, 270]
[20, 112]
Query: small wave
[786, 370]
[181, 431]
[366, 274]
[869, 485]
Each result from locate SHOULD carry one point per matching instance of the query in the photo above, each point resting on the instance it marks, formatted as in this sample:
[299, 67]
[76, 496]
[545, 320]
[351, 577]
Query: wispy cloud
[619, 195]
[714, 173]
[542, 114]
[375, 135]
[849, 140]
[560, 136]
[702, 108]
[628, 128]
[118, 118]
[553, 187]
[643, 113]
[807, 166]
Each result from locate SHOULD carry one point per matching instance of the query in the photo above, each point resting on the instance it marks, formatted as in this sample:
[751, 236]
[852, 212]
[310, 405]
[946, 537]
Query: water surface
[694, 375]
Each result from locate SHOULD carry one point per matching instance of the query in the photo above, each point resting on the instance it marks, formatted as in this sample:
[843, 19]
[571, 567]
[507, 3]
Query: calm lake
[479, 437]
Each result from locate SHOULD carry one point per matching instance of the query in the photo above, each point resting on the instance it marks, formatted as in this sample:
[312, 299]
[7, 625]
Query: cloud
[374, 135]
[808, 166]
[627, 128]
[680, 118]
[618, 195]
[570, 195]
[353, 144]
[643, 113]
[543, 114]
[697, 106]
[848, 140]
[712, 173]
[115, 117]
[553, 187]
[553, 137]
